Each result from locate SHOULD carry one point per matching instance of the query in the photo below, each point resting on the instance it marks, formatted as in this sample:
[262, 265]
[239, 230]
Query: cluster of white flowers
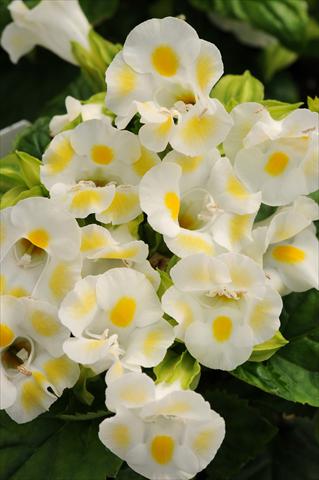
[87, 295]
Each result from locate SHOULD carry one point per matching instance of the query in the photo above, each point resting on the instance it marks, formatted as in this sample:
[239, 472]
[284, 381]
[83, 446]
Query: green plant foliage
[284, 19]
[54, 449]
[182, 368]
[293, 372]
[34, 139]
[275, 58]
[279, 110]
[313, 104]
[234, 89]
[265, 350]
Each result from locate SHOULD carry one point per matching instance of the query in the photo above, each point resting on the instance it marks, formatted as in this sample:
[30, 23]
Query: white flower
[280, 158]
[171, 434]
[96, 168]
[115, 315]
[224, 307]
[33, 369]
[74, 109]
[53, 24]
[40, 254]
[196, 202]
[286, 246]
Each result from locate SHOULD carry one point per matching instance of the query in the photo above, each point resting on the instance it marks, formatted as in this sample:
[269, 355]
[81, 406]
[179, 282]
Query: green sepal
[96, 98]
[80, 389]
[133, 226]
[95, 61]
[30, 167]
[279, 110]
[178, 368]
[73, 124]
[166, 282]
[234, 89]
[313, 104]
[16, 194]
[19, 169]
[265, 350]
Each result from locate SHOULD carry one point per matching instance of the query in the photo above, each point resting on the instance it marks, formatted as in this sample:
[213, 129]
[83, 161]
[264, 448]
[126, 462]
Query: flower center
[29, 254]
[198, 210]
[17, 356]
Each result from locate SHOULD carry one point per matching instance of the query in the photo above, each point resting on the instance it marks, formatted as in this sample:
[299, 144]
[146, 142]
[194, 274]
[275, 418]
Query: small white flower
[33, 369]
[235, 310]
[160, 434]
[280, 158]
[53, 24]
[116, 315]
[40, 254]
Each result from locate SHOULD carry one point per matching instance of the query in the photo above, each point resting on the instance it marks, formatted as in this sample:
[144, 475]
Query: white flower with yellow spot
[280, 158]
[188, 198]
[40, 250]
[286, 246]
[116, 315]
[236, 309]
[75, 109]
[33, 369]
[96, 168]
[52, 24]
[159, 433]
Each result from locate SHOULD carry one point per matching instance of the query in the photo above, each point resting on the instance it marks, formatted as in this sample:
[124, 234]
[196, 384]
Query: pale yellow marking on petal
[165, 60]
[203, 441]
[204, 70]
[172, 202]
[133, 395]
[165, 127]
[123, 312]
[2, 284]
[177, 408]
[238, 227]
[276, 164]
[144, 163]
[124, 253]
[57, 369]
[121, 435]
[222, 327]
[198, 128]
[189, 164]
[6, 335]
[102, 154]
[61, 280]
[151, 341]
[288, 254]
[236, 188]
[187, 313]
[60, 157]
[122, 204]
[84, 304]
[18, 292]
[93, 240]
[126, 80]
[32, 395]
[85, 198]
[39, 237]
[162, 449]
[258, 314]
[195, 244]
[44, 324]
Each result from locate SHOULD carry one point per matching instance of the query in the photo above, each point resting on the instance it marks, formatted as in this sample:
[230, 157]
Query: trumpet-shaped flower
[40, 251]
[186, 198]
[280, 158]
[95, 168]
[52, 24]
[115, 315]
[170, 434]
[33, 370]
[286, 246]
[223, 306]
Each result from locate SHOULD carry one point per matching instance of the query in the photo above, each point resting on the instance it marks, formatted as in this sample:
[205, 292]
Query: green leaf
[11, 174]
[34, 139]
[265, 350]
[30, 167]
[99, 10]
[293, 372]
[178, 368]
[247, 433]
[293, 455]
[279, 110]
[234, 89]
[275, 58]
[313, 104]
[16, 194]
[284, 19]
[53, 449]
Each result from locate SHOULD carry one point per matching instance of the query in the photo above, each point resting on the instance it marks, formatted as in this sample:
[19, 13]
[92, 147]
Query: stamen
[22, 369]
